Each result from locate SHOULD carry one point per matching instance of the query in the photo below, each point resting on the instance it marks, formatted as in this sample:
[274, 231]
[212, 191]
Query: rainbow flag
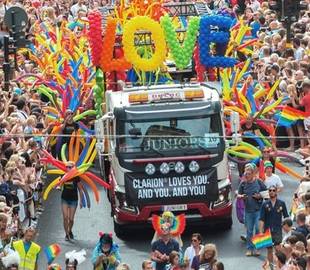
[262, 240]
[52, 252]
[289, 115]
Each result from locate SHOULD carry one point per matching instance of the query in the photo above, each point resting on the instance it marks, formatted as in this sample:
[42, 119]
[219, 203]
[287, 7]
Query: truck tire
[226, 224]
[120, 230]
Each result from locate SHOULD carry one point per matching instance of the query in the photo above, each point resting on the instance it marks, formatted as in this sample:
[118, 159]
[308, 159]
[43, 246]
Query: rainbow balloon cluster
[67, 80]
[254, 102]
[82, 162]
[162, 33]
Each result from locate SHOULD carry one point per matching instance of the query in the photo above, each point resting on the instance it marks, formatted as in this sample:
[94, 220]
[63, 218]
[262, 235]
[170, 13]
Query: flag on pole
[52, 252]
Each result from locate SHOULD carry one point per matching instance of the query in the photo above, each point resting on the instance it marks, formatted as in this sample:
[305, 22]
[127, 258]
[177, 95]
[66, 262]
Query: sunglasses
[272, 190]
[194, 240]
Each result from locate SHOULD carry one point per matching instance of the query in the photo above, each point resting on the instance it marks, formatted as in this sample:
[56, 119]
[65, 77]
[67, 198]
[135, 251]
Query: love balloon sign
[211, 30]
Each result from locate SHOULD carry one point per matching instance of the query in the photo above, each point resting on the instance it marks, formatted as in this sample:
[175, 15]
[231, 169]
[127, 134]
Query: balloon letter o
[158, 37]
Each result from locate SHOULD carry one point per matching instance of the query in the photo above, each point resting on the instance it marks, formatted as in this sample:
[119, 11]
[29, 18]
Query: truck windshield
[201, 133]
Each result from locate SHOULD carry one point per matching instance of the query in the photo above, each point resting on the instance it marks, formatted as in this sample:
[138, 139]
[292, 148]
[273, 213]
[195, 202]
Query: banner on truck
[172, 188]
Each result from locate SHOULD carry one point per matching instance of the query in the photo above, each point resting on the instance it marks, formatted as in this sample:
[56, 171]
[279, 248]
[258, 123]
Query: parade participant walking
[162, 247]
[271, 214]
[249, 190]
[271, 178]
[106, 254]
[69, 203]
[28, 250]
[194, 249]
[206, 259]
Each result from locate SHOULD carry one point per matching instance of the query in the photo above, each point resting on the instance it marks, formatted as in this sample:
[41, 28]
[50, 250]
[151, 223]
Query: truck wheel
[226, 224]
[120, 230]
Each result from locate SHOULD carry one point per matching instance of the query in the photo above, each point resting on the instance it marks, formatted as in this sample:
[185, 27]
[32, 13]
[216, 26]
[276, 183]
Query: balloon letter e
[215, 29]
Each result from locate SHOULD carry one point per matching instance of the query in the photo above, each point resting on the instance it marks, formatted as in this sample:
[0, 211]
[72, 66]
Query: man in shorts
[272, 213]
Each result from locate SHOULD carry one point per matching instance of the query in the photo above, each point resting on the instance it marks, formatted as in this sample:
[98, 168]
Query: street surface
[137, 248]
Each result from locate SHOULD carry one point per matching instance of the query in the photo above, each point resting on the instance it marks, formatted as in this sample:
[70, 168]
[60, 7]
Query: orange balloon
[108, 62]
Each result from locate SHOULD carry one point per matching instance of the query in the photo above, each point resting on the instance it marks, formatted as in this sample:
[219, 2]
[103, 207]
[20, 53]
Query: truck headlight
[179, 167]
[150, 169]
[194, 166]
[164, 168]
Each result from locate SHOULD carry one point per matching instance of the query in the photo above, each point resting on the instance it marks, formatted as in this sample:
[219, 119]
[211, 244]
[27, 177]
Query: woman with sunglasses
[194, 249]
[272, 213]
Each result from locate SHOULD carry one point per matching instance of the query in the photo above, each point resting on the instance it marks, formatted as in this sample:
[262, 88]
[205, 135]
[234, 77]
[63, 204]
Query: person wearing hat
[106, 253]
[271, 179]
[272, 213]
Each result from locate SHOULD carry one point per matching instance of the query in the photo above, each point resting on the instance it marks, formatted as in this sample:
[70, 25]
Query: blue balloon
[207, 35]
[259, 141]
[84, 152]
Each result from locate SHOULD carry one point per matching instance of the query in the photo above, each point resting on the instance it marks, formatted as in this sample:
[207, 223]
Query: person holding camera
[106, 254]
[249, 190]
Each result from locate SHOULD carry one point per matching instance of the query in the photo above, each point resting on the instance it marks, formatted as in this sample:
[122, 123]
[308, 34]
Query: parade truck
[162, 148]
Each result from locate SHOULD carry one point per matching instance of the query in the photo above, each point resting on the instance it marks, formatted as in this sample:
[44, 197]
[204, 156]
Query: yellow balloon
[158, 37]
[50, 187]
[55, 171]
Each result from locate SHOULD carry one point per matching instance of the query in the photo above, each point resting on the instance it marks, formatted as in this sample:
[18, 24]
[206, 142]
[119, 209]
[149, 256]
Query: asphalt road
[137, 247]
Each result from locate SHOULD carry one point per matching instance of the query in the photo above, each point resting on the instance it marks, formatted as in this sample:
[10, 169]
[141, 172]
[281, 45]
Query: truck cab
[162, 148]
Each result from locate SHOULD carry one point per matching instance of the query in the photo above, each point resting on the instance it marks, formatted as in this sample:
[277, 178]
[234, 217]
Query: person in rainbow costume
[176, 225]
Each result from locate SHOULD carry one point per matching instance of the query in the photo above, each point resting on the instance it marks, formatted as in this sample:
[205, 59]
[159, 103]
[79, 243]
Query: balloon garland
[82, 162]
[98, 91]
[158, 57]
[108, 62]
[181, 55]
[199, 68]
[95, 36]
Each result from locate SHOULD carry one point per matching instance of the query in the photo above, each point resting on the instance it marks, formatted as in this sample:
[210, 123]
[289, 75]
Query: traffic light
[288, 9]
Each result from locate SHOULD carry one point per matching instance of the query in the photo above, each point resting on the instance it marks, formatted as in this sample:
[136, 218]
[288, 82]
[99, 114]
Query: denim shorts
[70, 204]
